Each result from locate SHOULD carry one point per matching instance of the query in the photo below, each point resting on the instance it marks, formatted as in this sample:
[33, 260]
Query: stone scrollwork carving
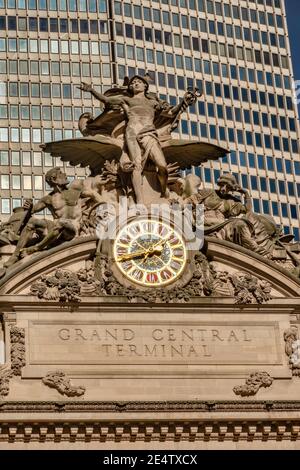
[62, 384]
[253, 383]
[17, 340]
[5, 376]
[292, 349]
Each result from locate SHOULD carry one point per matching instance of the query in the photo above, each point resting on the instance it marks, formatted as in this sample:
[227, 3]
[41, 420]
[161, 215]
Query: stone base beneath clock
[149, 352]
[150, 376]
[86, 371]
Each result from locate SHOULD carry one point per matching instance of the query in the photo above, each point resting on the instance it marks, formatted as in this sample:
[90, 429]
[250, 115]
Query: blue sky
[293, 19]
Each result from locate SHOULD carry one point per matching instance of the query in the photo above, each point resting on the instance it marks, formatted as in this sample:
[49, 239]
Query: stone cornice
[24, 302]
[19, 430]
[155, 406]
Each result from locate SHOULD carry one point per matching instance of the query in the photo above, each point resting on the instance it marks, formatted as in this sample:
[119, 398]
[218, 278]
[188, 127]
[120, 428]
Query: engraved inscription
[147, 343]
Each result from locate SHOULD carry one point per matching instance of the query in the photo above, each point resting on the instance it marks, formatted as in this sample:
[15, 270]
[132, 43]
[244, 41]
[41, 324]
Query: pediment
[73, 256]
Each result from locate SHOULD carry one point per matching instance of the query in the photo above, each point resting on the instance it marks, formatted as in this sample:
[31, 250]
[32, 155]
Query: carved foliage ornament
[248, 289]
[62, 285]
[292, 349]
[62, 384]
[97, 279]
[5, 376]
[253, 383]
[17, 340]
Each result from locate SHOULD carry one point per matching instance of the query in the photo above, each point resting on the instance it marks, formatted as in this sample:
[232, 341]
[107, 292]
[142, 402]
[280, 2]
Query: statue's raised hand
[191, 96]
[242, 191]
[28, 203]
[85, 87]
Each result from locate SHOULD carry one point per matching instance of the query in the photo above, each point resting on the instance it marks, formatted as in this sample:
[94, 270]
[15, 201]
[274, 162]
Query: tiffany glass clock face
[150, 252]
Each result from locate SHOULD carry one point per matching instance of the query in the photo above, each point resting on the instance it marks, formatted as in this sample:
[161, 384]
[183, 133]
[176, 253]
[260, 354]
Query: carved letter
[79, 334]
[177, 351]
[233, 336]
[151, 353]
[171, 334]
[120, 349]
[189, 336]
[132, 348]
[107, 348]
[154, 335]
[115, 336]
[193, 351]
[215, 334]
[95, 335]
[202, 333]
[128, 334]
[245, 336]
[64, 334]
[206, 353]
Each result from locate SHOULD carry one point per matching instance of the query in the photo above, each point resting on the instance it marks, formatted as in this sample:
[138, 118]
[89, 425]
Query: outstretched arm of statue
[87, 87]
[111, 100]
[189, 98]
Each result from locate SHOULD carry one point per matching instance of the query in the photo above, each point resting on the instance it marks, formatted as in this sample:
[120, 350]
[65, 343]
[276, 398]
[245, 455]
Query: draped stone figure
[231, 218]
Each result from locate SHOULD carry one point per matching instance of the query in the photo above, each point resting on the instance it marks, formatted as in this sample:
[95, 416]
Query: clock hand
[157, 247]
[161, 242]
[138, 254]
[127, 256]
[140, 246]
[153, 251]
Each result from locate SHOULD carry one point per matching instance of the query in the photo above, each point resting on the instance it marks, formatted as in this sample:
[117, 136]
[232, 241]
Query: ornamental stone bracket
[253, 383]
[292, 349]
[154, 431]
[62, 384]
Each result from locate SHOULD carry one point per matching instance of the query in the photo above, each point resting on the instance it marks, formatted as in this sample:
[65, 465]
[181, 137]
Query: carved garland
[253, 383]
[17, 341]
[292, 349]
[62, 384]
[5, 376]
[96, 279]
[17, 352]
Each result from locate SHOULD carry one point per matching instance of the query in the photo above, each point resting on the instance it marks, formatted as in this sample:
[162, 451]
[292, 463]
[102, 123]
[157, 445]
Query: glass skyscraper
[235, 51]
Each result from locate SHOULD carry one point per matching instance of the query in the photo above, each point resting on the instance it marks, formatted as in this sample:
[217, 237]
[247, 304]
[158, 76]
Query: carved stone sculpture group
[130, 153]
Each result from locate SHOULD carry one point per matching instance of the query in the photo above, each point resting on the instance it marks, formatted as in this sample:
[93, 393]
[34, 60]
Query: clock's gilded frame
[183, 278]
